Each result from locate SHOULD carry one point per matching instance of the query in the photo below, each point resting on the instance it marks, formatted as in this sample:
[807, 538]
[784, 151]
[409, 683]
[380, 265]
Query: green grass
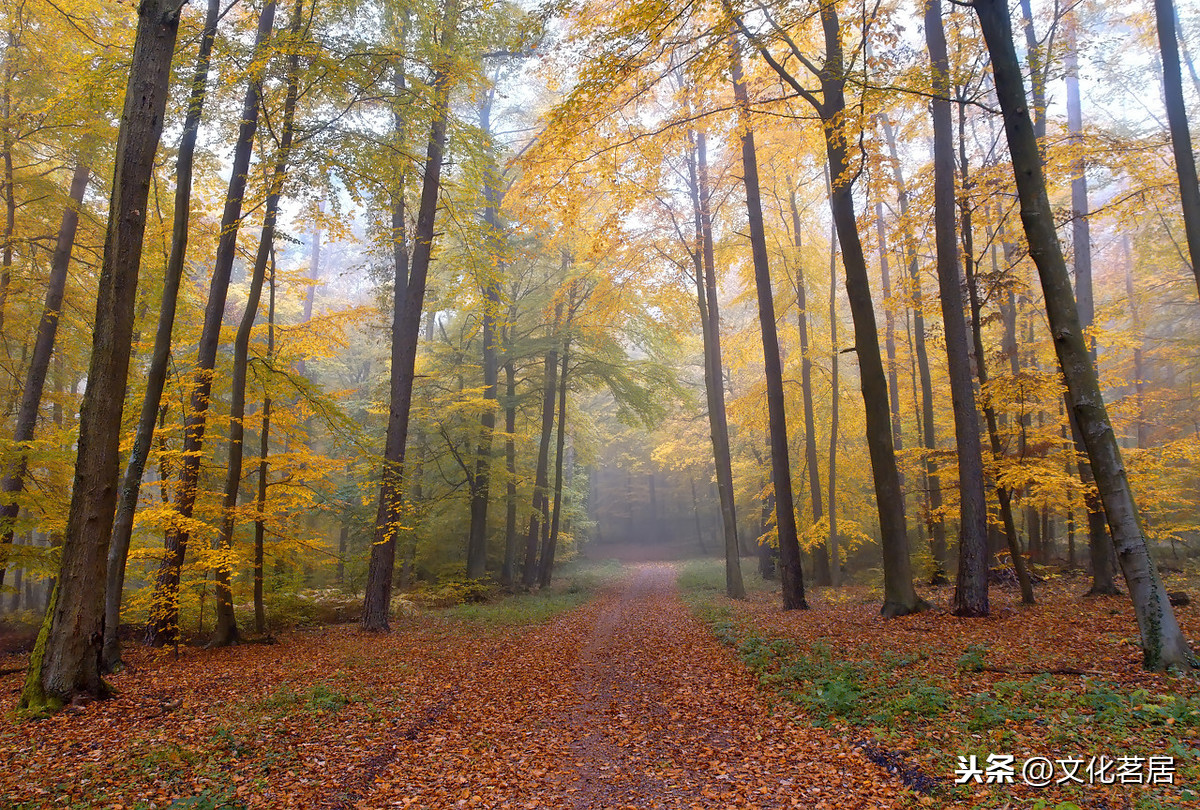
[573, 585]
[704, 577]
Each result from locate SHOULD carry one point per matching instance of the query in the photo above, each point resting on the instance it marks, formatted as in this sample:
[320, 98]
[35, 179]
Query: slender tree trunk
[156, 374]
[508, 570]
[7, 145]
[1181, 138]
[264, 450]
[1163, 644]
[834, 407]
[791, 575]
[1037, 72]
[547, 561]
[314, 274]
[164, 608]
[935, 523]
[540, 497]
[971, 585]
[1003, 494]
[226, 630]
[39, 363]
[889, 331]
[1139, 370]
[406, 327]
[823, 574]
[66, 660]
[900, 597]
[704, 258]
[493, 272]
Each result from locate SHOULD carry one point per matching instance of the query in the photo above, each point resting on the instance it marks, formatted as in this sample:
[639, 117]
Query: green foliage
[973, 659]
[209, 799]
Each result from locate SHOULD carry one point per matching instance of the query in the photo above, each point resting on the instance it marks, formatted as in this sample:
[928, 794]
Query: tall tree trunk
[1163, 644]
[1003, 494]
[889, 331]
[314, 273]
[39, 363]
[935, 523]
[66, 660]
[1081, 239]
[507, 572]
[156, 374]
[264, 449]
[834, 407]
[493, 271]
[704, 259]
[823, 574]
[1181, 138]
[791, 576]
[971, 585]
[226, 631]
[547, 561]
[900, 596]
[406, 327]
[7, 143]
[1038, 64]
[1139, 370]
[164, 607]
[540, 497]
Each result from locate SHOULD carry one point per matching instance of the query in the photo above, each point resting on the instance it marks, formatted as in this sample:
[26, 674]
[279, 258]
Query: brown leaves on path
[626, 702]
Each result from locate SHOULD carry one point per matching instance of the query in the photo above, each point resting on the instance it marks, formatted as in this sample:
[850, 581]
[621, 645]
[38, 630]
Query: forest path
[628, 702]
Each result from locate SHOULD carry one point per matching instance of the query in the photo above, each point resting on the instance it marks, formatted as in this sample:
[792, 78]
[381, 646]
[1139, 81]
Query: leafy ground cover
[1060, 680]
[622, 700]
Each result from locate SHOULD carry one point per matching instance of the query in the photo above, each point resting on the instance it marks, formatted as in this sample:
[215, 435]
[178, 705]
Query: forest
[503, 403]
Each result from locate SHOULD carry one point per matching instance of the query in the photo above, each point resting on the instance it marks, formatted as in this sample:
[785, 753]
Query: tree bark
[264, 450]
[834, 405]
[406, 327]
[226, 631]
[704, 260]
[39, 361]
[790, 573]
[540, 498]
[164, 608]
[935, 523]
[156, 374]
[507, 571]
[971, 586]
[1163, 644]
[547, 562]
[493, 271]
[823, 574]
[1181, 138]
[66, 659]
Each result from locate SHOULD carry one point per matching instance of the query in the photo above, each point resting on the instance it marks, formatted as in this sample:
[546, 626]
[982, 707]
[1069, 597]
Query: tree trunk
[164, 608]
[156, 374]
[507, 572]
[834, 407]
[704, 259]
[889, 332]
[264, 449]
[823, 574]
[226, 631]
[39, 363]
[971, 586]
[66, 660]
[540, 498]
[791, 576]
[406, 328]
[935, 523]
[1181, 138]
[1163, 644]
[1139, 370]
[899, 595]
[547, 561]
[493, 272]
[1003, 495]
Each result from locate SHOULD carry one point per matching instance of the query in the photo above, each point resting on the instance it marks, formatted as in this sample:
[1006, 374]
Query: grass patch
[574, 584]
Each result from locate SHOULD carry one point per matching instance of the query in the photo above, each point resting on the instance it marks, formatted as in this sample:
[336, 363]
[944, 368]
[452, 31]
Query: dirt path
[628, 702]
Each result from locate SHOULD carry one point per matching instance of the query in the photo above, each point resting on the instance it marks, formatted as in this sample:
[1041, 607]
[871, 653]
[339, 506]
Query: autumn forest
[439, 403]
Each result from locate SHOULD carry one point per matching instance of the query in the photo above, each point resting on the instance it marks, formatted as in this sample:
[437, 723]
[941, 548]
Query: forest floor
[647, 695]
[1060, 680]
